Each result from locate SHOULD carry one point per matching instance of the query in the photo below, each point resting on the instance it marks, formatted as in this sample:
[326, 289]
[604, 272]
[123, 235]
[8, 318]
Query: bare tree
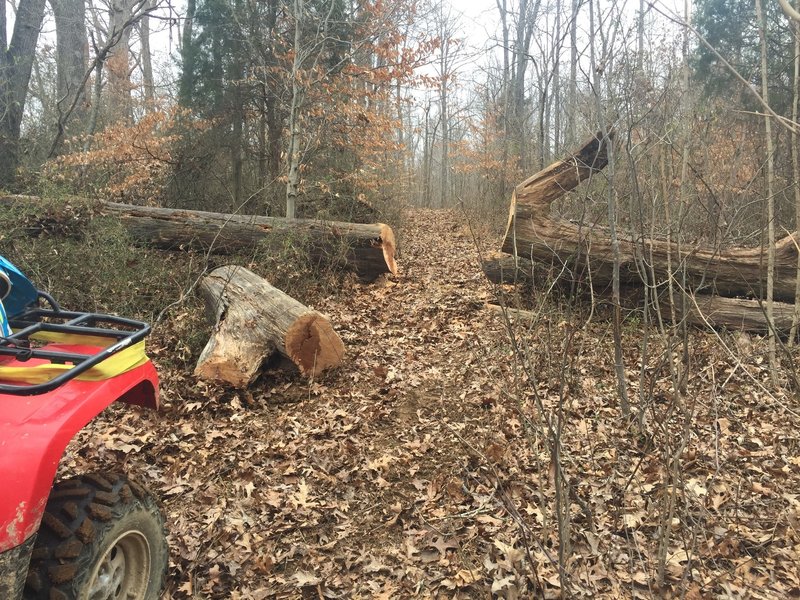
[762, 32]
[72, 56]
[16, 63]
[572, 92]
[603, 66]
[146, 58]
[118, 61]
[298, 93]
[795, 25]
[446, 24]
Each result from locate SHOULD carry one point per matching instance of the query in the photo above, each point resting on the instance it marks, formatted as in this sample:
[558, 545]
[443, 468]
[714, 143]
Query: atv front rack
[53, 323]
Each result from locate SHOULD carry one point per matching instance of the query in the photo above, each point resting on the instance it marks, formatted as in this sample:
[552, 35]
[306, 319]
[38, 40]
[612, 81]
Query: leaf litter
[414, 470]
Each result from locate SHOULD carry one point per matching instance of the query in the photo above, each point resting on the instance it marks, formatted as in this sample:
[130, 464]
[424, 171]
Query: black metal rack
[124, 332]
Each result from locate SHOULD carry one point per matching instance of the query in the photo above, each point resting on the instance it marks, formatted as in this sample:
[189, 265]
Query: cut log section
[585, 251]
[365, 249]
[254, 319]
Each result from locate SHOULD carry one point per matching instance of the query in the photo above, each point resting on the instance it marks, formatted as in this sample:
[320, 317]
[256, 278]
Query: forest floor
[422, 467]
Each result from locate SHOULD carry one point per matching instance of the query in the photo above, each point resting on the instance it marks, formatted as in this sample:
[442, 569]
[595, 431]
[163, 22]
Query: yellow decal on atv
[116, 364]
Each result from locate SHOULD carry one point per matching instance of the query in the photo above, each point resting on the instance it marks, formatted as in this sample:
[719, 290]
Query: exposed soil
[422, 467]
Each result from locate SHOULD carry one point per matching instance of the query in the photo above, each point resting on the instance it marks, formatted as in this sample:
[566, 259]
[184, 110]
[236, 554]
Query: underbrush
[88, 262]
[687, 494]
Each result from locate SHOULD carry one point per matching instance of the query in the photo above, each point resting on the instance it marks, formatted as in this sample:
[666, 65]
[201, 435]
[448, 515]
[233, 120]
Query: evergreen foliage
[730, 26]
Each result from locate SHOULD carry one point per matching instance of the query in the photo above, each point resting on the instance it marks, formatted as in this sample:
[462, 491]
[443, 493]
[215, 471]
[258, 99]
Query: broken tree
[254, 320]
[583, 253]
[532, 233]
[365, 249]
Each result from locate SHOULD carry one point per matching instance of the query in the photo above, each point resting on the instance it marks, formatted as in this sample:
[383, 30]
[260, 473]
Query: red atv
[96, 536]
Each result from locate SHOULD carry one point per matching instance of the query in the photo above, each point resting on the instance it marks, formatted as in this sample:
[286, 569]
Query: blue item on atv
[23, 293]
[5, 327]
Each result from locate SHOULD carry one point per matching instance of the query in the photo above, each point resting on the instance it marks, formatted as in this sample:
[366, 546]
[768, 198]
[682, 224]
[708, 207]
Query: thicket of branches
[315, 102]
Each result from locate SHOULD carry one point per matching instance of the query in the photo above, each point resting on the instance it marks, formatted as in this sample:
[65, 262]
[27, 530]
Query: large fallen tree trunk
[732, 314]
[253, 320]
[366, 249]
[702, 310]
[585, 252]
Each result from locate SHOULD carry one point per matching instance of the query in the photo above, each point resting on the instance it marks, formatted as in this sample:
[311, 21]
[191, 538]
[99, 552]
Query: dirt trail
[351, 486]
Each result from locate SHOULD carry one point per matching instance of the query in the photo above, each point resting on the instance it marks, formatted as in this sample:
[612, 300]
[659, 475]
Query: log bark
[533, 234]
[253, 320]
[366, 249]
[512, 313]
[706, 311]
[507, 269]
[734, 314]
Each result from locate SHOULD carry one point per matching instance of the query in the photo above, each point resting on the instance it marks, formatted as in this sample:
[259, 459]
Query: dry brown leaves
[417, 469]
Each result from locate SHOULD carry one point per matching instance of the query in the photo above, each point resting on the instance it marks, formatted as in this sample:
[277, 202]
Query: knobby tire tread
[78, 513]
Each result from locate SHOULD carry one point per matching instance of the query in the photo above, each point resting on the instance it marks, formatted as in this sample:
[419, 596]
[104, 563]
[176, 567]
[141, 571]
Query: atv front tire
[101, 538]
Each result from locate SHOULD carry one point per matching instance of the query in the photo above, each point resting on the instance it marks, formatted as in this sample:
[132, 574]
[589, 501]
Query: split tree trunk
[365, 249]
[253, 320]
[533, 234]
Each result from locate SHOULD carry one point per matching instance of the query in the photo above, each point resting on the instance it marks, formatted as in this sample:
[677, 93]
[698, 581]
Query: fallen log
[706, 311]
[504, 268]
[365, 249]
[253, 320]
[511, 313]
[733, 314]
[579, 249]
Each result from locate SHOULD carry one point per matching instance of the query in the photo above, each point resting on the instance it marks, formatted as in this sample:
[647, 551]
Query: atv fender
[35, 431]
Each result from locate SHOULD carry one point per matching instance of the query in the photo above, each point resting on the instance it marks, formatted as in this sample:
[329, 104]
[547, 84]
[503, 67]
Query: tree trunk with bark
[16, 63]
[118, 61]
[507, 269]
[253, 320]
[727, 287]
[188, 55]
[365, 249]
[735, 314]
[585, 252]
[293, 149]
[700, 310]
[72, 58]
[148, 83]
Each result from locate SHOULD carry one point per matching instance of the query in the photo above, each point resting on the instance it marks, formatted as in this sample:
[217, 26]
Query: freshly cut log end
[388, 246]
[253, 320]
[313, 345]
